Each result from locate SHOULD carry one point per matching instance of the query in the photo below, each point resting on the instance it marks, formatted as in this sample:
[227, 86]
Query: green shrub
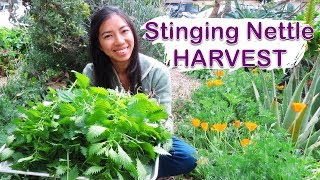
[13, 47]
[58, 34]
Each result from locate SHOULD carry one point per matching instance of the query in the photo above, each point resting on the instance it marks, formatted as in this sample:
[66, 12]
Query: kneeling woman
[117, 64]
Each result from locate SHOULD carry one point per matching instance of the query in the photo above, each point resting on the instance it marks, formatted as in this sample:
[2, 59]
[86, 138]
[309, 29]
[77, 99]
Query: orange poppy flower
[210, 83]
[219, 73]
[251, 126]
[237, 123]
[298, 107]
[217, 82]
[245, 142]
[204, 126]
[281, 87]
[219, 127]
[195, 122]
[255, 71]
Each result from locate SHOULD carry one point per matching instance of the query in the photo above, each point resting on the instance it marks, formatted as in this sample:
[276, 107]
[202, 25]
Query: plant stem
[205, 133]
[75, 82]
[194, 133]
[68, 165]
[305, 148]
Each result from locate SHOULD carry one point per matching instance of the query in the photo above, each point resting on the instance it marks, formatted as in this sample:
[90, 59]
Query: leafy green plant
[92, 131]
[13, 47]
[300, 121]
[59, 33]
[266, 11]
[269, 156]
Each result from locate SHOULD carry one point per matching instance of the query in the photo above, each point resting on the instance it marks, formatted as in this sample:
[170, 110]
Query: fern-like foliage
[95, 131]
[142, 172]
[93, 170]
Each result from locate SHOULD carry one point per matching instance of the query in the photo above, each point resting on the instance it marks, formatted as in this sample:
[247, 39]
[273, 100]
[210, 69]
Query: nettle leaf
[102, 151]
[74, 173]
[66, 96]
[161, 151]
[138, 107]
[97, 116]
[99, 90]
[93, 170]
[120, 177]
[149, 148]
[6, 153]
[157, 115]
[102, 105]
[95, 148]
[82, 80]
[113, 155]
[142, 172]
[60, 170]
[10, 139]
[66, 109]
[84, 151]
[35, 113]
[124, 157]
[95, 131]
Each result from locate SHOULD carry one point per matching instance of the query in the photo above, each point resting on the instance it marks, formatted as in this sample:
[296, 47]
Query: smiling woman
[117, 64]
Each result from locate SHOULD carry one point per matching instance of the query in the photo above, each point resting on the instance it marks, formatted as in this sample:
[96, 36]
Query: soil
[182, 85]
[3, 81]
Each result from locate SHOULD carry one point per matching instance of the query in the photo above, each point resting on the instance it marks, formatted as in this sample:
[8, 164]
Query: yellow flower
[219, 127]
[32, 18]
[255, 71]
[217, 82]
[251, 126]
[298, 107]
[219, 73]
[245, 142]
[195, 122]
[210, 83]
[204, 126]
[202, 161]
[237, 123]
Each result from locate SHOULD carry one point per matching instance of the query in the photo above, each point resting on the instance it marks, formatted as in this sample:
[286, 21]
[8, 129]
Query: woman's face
[116, 39]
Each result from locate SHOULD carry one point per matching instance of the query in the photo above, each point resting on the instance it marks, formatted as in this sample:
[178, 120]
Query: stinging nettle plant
[88, 131]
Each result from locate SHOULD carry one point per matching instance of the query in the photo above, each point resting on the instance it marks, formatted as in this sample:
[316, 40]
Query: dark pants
[181, 160]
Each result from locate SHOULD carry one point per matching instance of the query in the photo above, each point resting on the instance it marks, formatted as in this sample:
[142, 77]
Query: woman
[117, 64]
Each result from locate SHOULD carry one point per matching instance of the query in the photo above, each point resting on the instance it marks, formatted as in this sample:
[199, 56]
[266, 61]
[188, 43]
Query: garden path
[182, 85]
[3, 81]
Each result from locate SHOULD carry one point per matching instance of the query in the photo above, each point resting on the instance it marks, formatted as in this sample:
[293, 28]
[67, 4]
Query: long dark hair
[105, 76]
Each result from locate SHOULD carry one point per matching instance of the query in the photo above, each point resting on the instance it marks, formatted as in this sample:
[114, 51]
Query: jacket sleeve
[161, 86]
[89, 72]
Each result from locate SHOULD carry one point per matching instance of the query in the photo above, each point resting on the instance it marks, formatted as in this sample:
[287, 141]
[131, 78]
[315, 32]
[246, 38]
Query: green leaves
[95, 131]
[82, 80]
[100, 131]
[66, 109]
[142, 172]
[6, 153]
[93, 170]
